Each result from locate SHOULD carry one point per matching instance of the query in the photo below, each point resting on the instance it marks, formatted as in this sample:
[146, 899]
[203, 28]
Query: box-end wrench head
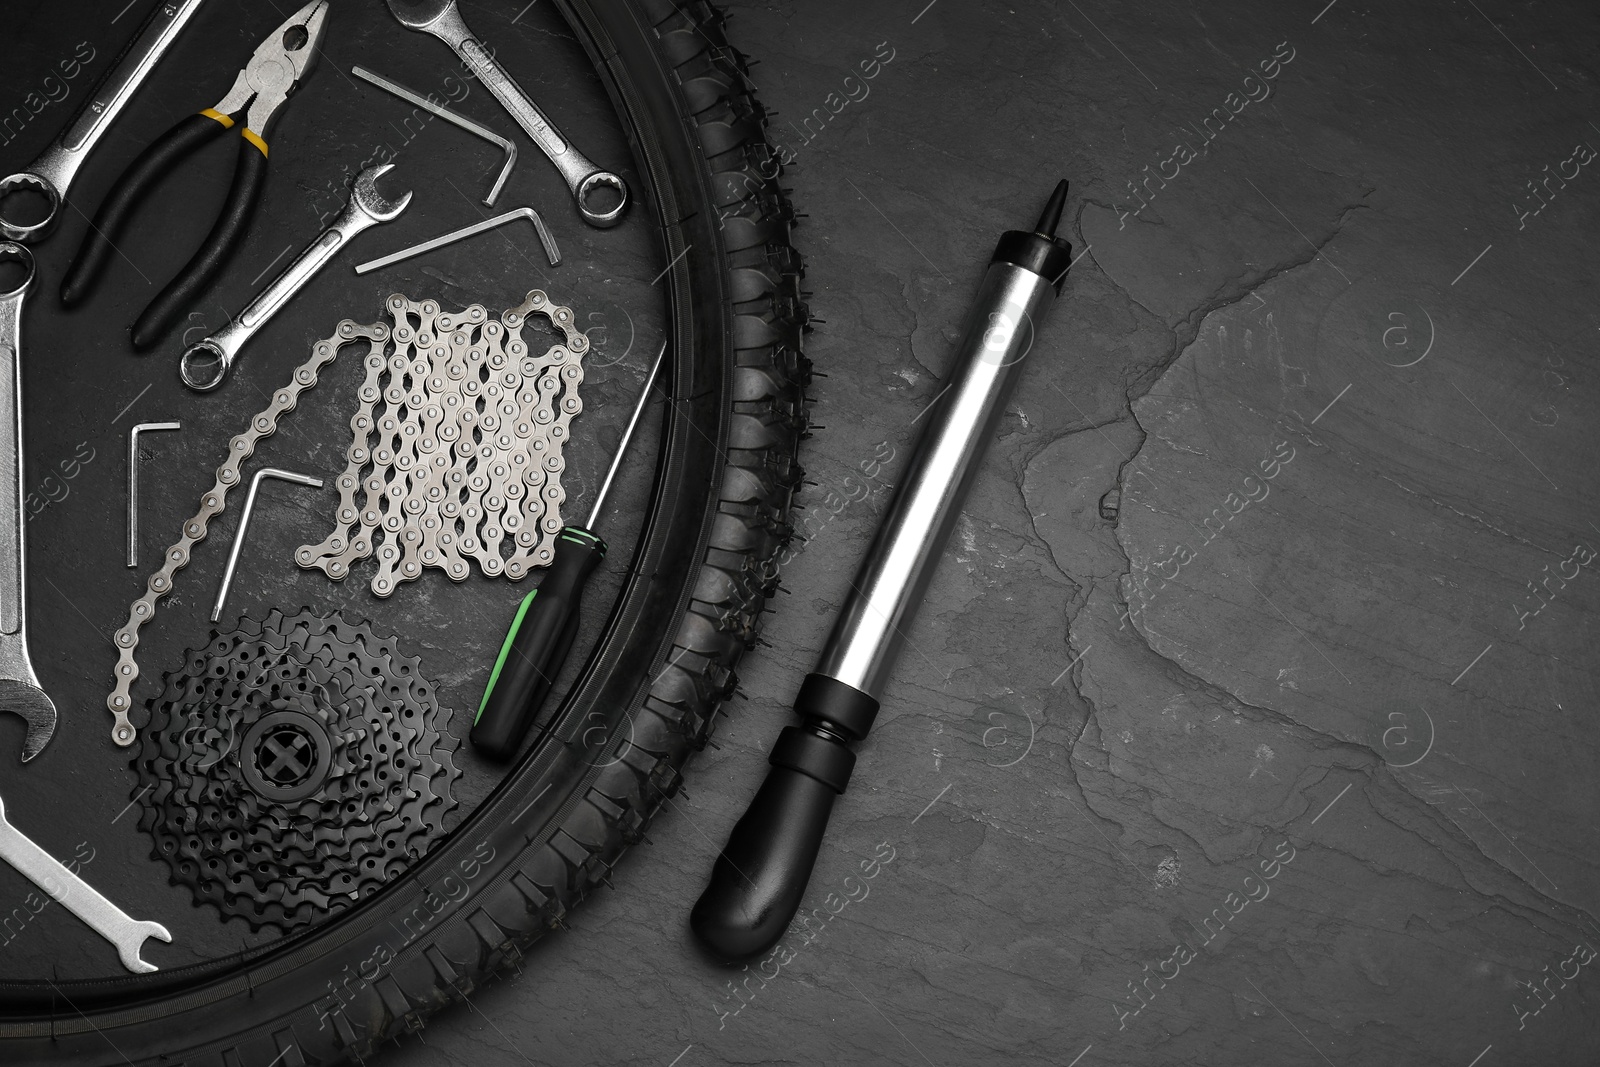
[20, 693]
[51, 174]
[584, 179]
[206, 363]
[30, 232]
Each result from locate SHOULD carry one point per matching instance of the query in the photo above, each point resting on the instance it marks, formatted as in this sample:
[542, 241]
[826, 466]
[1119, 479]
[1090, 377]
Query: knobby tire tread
[472, 909]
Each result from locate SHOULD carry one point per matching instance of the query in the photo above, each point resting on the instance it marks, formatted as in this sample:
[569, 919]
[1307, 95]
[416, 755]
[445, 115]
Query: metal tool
[133, 483]
[244, 526]
[584, 179]
[758, 880]
[205, 364]
[508, 147]
[277, 66]
[52, 173]
[456, 447]
[126, 934]
[545, 238]
[546, 622]
[263, 423]
[19, 687]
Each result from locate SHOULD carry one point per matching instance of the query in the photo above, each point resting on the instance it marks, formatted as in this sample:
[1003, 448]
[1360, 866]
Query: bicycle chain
[240, 448]
[293, 767]
[457, 443]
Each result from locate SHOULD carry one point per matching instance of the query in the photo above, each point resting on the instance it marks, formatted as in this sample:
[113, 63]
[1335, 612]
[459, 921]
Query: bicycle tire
[691, 603]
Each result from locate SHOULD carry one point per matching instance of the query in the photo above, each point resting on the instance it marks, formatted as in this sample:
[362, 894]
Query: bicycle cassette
[293, 767]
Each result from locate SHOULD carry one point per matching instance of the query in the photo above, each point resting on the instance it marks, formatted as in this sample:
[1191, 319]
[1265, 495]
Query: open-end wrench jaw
[365, 195]
[23, 698]
[67, 888]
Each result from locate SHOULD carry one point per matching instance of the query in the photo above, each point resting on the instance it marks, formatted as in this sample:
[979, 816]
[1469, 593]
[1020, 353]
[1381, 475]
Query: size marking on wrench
[52, 173]
[19, 686]
[126, 934]
[441, 19]
[205, 364]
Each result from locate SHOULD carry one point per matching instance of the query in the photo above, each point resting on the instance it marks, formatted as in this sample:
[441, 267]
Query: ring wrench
[58, 880]
[52, 173]
[19, 686]
[205, 364]
[443, 20]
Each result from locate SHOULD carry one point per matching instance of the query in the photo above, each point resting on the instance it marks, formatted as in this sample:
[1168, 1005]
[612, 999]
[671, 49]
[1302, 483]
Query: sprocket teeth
[244, 839]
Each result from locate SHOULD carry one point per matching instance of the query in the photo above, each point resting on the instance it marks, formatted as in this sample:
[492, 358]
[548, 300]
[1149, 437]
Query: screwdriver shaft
[627, 435]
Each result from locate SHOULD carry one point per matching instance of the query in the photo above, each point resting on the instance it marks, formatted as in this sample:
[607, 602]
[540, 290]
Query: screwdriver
[546, 622]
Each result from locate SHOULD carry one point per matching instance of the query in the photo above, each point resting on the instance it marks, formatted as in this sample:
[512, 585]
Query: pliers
[277, 66]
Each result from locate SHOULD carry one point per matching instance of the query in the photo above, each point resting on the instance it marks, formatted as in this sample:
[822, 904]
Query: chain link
[456, 447]
[263, 424]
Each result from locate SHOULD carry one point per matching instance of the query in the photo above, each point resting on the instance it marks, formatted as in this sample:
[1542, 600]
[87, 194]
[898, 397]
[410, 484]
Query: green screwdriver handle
[536, 646]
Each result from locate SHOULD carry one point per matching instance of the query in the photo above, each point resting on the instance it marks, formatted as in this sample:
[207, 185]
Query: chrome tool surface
[133, 483]
[126, 934]
[244, 526]
[205, 364]
[508, 147]
[546, 238]
[52, 173]
[584, 179]
[20, 693]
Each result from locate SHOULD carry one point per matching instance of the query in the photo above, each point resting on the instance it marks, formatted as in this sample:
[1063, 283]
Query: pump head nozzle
[1050, 218]
[1040, 250]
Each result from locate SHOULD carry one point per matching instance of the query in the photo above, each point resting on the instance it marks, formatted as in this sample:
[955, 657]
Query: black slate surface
[1249, 717]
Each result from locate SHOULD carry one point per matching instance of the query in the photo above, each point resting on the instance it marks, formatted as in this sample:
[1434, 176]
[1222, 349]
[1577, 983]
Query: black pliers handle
[263, 85]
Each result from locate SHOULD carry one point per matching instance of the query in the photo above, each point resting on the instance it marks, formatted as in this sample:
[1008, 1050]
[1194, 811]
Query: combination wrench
[126, 934]
[19, 686]
[205, 364]
[441, 19]
[52, 173]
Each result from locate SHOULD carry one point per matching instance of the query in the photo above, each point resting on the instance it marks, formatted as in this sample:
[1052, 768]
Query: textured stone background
[1250, 573]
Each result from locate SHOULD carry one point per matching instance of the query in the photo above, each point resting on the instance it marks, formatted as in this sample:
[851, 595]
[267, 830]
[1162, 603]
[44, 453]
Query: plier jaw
[277, 65]
[262, 86]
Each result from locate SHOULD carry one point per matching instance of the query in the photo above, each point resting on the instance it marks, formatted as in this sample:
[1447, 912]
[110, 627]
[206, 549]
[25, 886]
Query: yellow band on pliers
[213, 113]
[255, 139]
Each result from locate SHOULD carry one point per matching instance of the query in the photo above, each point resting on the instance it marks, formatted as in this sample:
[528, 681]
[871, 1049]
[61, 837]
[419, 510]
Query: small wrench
[19, 686]
[52, 173]
[440, 18]
[205, 364]
[128, 935]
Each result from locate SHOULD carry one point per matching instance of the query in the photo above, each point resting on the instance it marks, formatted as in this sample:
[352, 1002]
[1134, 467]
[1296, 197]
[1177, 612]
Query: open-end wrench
[205, 364]
[52, 173]
[127, 934]
[440, 18]
[19, 687]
